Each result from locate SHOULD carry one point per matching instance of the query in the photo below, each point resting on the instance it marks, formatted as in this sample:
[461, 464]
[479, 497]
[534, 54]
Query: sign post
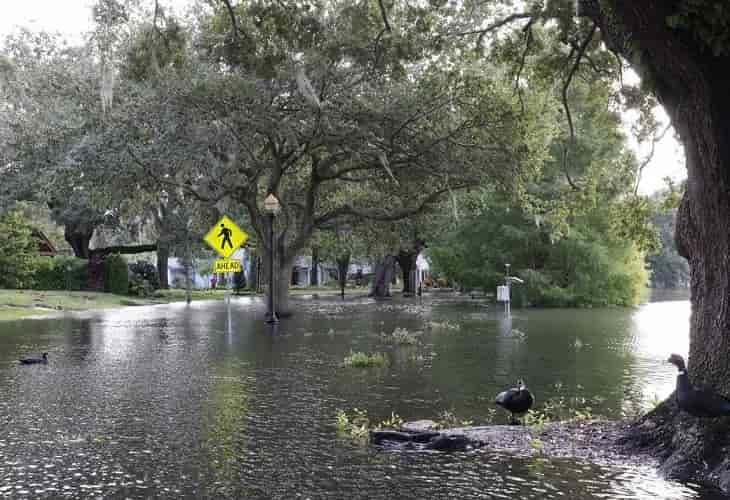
[503, 291]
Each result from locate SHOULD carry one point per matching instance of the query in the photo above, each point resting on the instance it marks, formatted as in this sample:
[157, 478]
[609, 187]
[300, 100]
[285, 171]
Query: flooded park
[207, 401]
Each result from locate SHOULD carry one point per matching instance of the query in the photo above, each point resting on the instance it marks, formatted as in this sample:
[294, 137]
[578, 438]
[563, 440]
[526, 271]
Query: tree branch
[384, 14]
[496, 25]
[380, 215]
[654, 140]
[579, 54]
[234, 24]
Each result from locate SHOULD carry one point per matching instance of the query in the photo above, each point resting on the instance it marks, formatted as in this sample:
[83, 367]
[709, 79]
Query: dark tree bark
[343, 264]
[254, 279]
[163, 255]
[692, 84]
[79, 238]
[384, 273]
[407, 262]
[314, 278]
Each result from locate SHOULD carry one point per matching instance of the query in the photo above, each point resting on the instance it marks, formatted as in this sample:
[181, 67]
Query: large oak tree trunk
[384, 273]
[284, 266]
[79, 238]
[692, 84]
[343, 264]
[407, 262]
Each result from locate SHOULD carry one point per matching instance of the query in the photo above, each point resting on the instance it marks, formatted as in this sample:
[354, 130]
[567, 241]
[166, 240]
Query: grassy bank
[20, 303]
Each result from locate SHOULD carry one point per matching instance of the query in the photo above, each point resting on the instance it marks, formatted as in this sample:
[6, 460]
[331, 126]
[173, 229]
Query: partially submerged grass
[443, 326]
[365, 360]
[401, 336]
[356, 424]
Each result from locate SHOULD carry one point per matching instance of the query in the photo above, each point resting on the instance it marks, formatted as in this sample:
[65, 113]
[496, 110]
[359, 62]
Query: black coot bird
[693, 401]
[35, 360]
[517, 401]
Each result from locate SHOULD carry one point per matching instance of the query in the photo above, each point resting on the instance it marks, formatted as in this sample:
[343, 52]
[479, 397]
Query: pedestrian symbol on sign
[225, 237]
[226, 233]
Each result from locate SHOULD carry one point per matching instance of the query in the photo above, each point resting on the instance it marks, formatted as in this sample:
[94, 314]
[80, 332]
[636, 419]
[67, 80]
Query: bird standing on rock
[696, 402]
[517, 401]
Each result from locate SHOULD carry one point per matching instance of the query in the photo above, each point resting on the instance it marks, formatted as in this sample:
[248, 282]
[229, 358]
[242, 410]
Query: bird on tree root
[700, 403]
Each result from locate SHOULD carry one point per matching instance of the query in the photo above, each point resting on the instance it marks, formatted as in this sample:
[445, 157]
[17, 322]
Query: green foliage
[116, 275]
[17, 249]
[59, 273]
[668, 268]
[586, 265]
[365, 360]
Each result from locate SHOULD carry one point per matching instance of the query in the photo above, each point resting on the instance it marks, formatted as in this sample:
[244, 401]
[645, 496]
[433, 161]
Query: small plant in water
[392, 422]
[365, 360]
[401, 336]
[355, 425]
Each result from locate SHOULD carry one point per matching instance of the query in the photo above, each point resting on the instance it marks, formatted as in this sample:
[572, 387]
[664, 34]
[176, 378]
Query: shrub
[116, 275]
[16, 251]
[146, 271]
[239, 282]
[143, 279]
[59, 273]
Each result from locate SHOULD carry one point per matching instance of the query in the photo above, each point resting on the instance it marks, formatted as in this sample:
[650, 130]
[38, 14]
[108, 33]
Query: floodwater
[204, 402]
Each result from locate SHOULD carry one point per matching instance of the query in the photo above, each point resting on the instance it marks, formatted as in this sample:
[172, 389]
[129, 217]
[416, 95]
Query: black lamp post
[271, 207]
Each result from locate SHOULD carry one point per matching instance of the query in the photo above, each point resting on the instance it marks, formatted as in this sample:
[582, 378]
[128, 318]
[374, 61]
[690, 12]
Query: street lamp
[271, 207]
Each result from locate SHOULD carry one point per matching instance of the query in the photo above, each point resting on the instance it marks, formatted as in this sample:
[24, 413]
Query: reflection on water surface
[199, 402]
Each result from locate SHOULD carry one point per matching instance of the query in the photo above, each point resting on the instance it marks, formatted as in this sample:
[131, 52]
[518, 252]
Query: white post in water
[506, 282]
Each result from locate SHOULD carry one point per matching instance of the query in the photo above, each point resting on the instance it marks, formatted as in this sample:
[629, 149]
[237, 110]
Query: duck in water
[517, 400]
[697, 402]
[35, 360]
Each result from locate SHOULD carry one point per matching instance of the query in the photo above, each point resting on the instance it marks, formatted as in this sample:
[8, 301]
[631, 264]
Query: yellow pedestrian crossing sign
[225, 237]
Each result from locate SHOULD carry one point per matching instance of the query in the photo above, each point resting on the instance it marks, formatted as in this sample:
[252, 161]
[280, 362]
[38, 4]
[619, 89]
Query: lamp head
[272, 204]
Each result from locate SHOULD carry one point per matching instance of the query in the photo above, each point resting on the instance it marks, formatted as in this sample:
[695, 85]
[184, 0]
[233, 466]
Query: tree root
[688, 448]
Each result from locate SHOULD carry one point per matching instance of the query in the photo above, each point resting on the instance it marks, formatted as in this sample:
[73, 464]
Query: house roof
[44, 245]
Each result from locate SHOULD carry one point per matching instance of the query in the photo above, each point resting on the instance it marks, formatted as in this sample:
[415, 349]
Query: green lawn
[20, 312]
[19, 303]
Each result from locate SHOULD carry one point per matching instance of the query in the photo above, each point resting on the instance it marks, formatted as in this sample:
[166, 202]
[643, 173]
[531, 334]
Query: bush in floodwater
[401, 336]
[365, 360]
[444, 326]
